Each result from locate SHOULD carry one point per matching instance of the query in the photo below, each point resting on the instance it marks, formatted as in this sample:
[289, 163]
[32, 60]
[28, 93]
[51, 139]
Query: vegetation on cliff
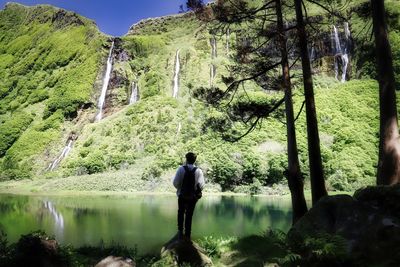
[53, 63]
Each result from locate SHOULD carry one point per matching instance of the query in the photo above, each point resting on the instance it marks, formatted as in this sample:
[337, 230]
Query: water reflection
[146, 221]
[58, 219]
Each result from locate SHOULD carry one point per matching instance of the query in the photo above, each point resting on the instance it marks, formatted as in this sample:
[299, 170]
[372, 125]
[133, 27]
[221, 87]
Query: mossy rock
[369, 222]
[182, 252]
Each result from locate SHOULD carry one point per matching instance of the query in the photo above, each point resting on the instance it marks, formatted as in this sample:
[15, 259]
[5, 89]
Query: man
[189, 181]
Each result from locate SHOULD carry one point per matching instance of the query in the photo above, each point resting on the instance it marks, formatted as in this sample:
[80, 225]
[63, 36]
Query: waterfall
[312, 54]
[228, 36]
[345, 52]
[213, 68]
[337, 50]
[179, 128]
[134, 94]
[63, 155]
[106, 81]
[345, 63]
[341, 50]
[213, 42]
[176, 75]
[347, 30]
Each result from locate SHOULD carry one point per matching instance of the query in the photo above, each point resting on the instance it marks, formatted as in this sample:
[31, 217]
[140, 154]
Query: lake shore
[46, 187]
[30, 189]
[128, 183]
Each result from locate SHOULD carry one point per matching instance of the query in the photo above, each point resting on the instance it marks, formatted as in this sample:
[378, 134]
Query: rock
[36, 250]
[63, 18]
[369, 222]
[181, 251]
[112, 261]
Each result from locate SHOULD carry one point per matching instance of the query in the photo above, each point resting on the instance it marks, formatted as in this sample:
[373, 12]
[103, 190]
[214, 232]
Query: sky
[113, 17]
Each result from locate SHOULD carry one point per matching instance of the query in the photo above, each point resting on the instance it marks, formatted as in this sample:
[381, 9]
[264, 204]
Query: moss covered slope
[51, 66]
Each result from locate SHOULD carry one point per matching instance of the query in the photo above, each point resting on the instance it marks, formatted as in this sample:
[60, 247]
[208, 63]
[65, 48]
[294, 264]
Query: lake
[145, 221]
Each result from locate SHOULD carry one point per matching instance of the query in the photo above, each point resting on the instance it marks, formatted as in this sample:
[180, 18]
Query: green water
[144, 221]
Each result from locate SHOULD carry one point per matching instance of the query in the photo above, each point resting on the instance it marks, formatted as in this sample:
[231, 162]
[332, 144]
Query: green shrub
[142, 46]
[152, 82]
[12, 129]
[255, 187]
[215, 246]
[152, 173]
[277, 165]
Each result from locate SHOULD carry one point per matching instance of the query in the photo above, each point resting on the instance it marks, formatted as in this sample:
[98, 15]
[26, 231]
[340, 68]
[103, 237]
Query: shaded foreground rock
[112, 261]
[37, 250]
[179, 251]
[369, 222]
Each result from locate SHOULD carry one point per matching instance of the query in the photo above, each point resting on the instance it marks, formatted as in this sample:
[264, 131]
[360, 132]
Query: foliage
[11, 130]
[30, 251]
[215, 246]
[49, 62]
[143, 46]
[275, 247]
[152, 173]
[47, 70]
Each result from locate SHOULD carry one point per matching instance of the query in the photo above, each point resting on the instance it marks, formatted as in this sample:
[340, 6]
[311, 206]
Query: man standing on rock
[189, 181]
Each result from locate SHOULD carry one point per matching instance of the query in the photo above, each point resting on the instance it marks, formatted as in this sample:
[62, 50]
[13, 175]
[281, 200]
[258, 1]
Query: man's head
[190, 158]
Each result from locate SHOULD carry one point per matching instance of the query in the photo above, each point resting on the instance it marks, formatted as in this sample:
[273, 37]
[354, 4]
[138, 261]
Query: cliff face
[53, 66]
[50, 59]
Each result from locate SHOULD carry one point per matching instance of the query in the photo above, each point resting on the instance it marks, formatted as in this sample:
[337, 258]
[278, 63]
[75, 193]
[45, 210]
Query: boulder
[112, 261]
[182, 251]
[37, 250]
[369, 222]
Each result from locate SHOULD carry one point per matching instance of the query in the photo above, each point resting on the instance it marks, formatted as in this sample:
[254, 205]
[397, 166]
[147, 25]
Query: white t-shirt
[180, 174]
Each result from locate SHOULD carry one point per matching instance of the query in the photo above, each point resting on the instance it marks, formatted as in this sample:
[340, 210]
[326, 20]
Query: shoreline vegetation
[53, 187]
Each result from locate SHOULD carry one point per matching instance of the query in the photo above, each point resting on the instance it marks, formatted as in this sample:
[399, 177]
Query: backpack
[187, 190]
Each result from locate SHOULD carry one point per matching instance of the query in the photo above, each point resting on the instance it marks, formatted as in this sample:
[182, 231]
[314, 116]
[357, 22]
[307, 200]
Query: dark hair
[191, 157]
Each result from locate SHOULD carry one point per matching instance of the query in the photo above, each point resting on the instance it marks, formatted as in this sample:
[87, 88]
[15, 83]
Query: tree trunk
[318, 189]
[294, 177]
[389, 147]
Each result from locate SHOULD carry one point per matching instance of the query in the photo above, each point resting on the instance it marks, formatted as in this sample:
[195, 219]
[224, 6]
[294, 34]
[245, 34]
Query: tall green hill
[52, 63]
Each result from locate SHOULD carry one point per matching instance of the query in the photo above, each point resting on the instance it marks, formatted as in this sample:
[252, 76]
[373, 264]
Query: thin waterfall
[179, 128]
[341, 50]
[213, 68]
[228, 36]
[176, 75]
[337, 50]
[345, 53]
[214, 47]
[62, 156]
[134, 94]
[312, 54]
[106, 81]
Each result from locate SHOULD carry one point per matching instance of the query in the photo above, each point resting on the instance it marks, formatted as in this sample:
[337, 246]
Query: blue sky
[113, 17]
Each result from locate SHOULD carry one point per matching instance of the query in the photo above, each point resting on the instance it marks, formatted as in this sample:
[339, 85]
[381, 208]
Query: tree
[389, 146]
[254, 63]
[294, 176]
[318, 188]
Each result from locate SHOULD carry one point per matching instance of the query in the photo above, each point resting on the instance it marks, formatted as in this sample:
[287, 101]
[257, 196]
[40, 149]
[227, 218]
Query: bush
[215, 246]
[142, 46]
[277, 164]
[93, 163]
[12, 129]
[255, 187]
[152, 173]
[152, 82]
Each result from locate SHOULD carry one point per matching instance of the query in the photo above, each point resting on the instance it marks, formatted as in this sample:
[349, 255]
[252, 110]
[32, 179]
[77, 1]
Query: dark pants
[185, 213]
